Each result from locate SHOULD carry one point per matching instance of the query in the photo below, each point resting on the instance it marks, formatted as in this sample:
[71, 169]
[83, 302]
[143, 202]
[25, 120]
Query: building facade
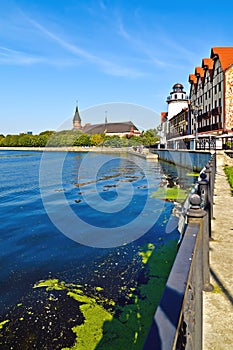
[177, 137]
[211, 95]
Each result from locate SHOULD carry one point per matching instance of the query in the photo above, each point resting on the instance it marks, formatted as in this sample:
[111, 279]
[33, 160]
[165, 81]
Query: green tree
[152, 132]
[113, 141]
[83, 140]
[10, 141]
[62, 138]
[46, 133]
[40, 140]
[25, 140]
[134, 141]
[2, 137]
[96, 140]
[149, 137]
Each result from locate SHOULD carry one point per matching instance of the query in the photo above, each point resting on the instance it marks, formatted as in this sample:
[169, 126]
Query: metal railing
[211, 127]
[177, 323]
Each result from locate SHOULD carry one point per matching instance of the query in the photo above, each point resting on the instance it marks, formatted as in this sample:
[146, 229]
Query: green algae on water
[82, 317]
[170, 193]
[137, 316]
[125, 326]
[2, 324]
[52, 284]
[194, 174]
[90, 332]
[147, 252]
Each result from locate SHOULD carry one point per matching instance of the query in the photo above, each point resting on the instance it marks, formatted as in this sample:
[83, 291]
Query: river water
[86, 248]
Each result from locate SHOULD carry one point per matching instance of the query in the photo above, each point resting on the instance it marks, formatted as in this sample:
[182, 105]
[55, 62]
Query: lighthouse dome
[178, 88]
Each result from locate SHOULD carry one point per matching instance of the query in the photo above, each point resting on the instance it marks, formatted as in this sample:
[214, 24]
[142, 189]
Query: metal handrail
[177, 323]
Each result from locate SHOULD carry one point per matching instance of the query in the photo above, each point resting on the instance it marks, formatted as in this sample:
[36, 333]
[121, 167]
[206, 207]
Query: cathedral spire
[77, 119]
[106, 118]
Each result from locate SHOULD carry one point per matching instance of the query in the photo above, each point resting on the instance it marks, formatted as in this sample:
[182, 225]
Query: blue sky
[55, 52]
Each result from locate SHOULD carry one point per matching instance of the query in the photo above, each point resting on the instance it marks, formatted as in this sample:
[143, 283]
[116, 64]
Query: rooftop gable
[207, 63]
[199, 71]
[225, 55]
[192, 78]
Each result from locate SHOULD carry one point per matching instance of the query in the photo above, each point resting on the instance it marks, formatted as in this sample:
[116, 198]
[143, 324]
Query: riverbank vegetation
[229, 174]
[68, 138]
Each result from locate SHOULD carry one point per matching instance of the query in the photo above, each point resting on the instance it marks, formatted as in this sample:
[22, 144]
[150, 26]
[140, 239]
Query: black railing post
[212, 178]
[196, 215]
[208, 171]
[206, 232]
[206, 199]
[213, 166]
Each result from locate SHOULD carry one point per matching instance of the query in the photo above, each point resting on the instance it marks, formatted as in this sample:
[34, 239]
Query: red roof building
[211, 94]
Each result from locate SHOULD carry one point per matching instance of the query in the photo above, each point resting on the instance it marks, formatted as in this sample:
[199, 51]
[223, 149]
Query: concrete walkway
[218, 304]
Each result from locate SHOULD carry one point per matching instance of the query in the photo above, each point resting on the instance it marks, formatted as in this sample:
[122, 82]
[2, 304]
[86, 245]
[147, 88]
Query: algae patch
[147, 252]
[52, 284]
[170, 194]
[193, 174]
[90, 332]
[101, 315]
[2, 324]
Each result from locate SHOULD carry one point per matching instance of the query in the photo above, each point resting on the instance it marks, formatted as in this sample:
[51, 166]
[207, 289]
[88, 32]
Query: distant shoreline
[66, 149]
[129, 150]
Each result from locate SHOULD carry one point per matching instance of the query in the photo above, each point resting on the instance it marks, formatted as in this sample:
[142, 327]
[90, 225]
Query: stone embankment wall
[194, 160]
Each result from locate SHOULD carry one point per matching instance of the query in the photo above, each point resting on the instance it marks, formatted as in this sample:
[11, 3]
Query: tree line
[67, 138]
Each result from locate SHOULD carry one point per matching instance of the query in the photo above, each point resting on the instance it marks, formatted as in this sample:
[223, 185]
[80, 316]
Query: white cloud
[157, 51]
[9, 56]
[108, 66]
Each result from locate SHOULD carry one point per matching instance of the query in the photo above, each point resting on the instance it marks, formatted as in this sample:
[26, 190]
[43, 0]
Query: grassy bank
[229, 173]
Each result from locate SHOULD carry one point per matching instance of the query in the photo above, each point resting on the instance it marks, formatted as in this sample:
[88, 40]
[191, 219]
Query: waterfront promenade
[218, 304]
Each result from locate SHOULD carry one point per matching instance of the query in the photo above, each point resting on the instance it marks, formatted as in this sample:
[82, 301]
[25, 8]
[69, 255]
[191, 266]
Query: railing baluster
[177, 324]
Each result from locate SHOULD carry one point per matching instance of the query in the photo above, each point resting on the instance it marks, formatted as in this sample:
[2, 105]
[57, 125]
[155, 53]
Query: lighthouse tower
[177, 100]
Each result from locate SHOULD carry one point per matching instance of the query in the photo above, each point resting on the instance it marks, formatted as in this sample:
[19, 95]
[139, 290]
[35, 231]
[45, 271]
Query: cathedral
[121, 129]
